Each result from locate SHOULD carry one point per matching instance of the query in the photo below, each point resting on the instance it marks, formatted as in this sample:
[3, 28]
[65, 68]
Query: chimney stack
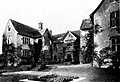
[50, 32]
[40, 25]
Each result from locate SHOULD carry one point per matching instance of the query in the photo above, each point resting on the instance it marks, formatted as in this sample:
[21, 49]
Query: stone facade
[27, 41]
[103, 21]
[21, 37]
[66, 47]
[106, 26]
[86, 41]
[47, 46]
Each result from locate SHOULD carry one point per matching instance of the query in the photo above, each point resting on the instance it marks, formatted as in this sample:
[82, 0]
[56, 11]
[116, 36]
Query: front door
[68, 58]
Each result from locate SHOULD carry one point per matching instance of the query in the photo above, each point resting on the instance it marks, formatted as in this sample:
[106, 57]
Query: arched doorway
[68, 58]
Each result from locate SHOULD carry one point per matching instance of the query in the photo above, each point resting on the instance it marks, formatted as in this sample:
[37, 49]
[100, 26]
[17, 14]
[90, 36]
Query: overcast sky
[56, 15]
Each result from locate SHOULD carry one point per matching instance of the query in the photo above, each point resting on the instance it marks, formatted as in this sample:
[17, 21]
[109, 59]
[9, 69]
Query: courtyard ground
[85, 72]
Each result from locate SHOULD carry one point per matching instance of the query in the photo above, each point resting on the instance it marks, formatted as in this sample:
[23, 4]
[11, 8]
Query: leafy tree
[9, 52]
[115, 59]
[89, 47]
[105, 52]
[32, 51]
[37, 51]
[98, 29]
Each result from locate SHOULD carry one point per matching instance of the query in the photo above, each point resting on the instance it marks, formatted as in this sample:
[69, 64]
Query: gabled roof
[86, 24]
[57, 38]
[25, 30]
[75, 33]
[60, 37]
[48, 34]
[97, 8]
[103, 5]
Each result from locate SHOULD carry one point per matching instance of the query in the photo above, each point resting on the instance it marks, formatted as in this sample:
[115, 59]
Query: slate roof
[76, 33]
[25, 30]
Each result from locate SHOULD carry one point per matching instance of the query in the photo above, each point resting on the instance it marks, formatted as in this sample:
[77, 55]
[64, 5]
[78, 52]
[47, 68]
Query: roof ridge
[25, 29]
[23, 24]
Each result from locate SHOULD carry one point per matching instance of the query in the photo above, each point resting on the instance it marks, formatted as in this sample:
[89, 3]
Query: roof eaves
[97, 8]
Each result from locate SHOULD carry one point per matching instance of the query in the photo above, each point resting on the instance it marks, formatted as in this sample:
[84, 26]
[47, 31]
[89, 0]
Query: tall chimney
[40, 25]
[50, 32]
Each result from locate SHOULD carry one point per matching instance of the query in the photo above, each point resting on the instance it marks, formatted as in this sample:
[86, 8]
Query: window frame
[114, 17]
[116, 45]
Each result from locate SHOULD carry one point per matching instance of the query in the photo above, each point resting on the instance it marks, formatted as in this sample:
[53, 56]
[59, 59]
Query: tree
[37, 51]
[115, 60]
[98, 29]
[10, 54]
[32, 50]
[89, 47]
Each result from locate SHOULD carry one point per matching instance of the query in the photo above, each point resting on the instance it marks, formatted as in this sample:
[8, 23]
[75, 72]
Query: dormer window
[9, 28]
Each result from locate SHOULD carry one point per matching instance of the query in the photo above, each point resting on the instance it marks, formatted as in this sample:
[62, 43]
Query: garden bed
[51, 78]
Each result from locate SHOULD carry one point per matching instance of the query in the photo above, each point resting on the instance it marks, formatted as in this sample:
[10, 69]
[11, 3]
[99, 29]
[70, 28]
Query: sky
[56, 15]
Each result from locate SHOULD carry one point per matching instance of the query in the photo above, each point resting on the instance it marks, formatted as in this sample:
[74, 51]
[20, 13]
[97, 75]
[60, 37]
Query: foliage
[90, 45]
[36, 52]
[87, 56]
[105, 52]
[115, 59]
[11, 55]
[98, 29]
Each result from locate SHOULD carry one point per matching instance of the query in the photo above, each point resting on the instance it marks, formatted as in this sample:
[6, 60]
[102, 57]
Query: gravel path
[85, 73]
[56, 69]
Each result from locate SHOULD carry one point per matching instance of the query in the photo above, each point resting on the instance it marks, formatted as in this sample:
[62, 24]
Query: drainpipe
[80, 50]
[92, 32]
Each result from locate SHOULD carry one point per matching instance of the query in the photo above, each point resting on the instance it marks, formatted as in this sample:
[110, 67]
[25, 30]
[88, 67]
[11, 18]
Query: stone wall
[102, 18]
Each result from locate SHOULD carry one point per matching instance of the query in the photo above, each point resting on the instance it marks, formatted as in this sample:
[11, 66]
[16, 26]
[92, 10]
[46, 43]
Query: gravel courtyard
[85, 72]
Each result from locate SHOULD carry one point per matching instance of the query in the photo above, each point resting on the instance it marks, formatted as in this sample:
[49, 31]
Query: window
[113, 41]
[22, 52]
[26, 40]
[113, 44]
[9, 28]
[118, 47]
[113, 0]
[69, 44]
[118, 40]
[116, 0]
[116, 44]
[25, 53]
[117, 18]
[118, 21]
[23, 40]
[8, 41]
[114, 18]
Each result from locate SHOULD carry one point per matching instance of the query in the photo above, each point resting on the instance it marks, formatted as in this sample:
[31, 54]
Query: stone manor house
[40, 43]
[24, 38]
